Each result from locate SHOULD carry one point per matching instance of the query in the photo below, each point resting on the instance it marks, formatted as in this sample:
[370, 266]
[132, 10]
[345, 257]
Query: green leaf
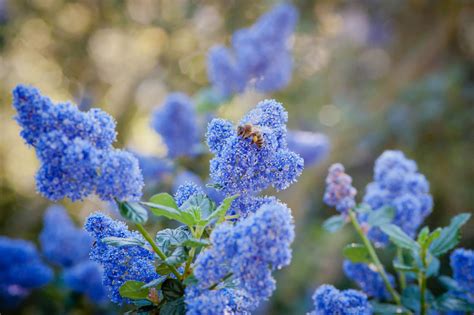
[450, 284]
[172, 289]
[133, 290]
[190, 280]
[200, 202]
[123, 241]
[449, 236]
[433, 267]
[155, 283]
[447, 302]
[163, 269]
[423, 235]
[177, 257]
[400, 238]
[221, 211]
[169, 239]
[356, 253]
[384, 308]
[193, 242]
[402, 267]
[174, 307]
[411, 298]
[381, 216]
[334, 223]
[133, 212]
[164, 205]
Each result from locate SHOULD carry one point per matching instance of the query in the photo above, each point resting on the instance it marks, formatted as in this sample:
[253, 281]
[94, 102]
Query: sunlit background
[372, 75]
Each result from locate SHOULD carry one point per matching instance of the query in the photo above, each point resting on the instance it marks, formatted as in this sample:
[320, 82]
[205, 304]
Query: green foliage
[334, 223]
[123, 241]
[198, 210]
[449, 236]
[384, 308]
[174, 307]
[134, 290]
[172, 289]
[400, 238]
[357, 253]
[133, 212]
[381, 216]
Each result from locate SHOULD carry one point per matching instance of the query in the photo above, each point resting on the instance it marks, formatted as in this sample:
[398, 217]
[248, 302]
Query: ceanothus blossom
[75, 150]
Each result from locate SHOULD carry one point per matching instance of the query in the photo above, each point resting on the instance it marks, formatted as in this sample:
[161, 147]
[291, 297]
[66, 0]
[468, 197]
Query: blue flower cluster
[248, 252]
[368, 279]
[242, 167]
[211, 302]
[176, 122]
[330, 301]
[75, 150]
[120, 263]
[462, 264]
[67, 246]
[339, 191]
[398, 184]
[312, 147]
[260, 55]
[62, 243]
[185, 191]
[21, 270]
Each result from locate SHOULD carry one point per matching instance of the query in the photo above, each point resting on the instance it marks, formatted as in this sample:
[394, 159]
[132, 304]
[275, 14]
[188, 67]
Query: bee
[250, 131]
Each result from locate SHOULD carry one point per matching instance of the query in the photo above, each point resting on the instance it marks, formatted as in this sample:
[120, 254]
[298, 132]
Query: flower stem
[157, 250]
[422, 283]
[375, 258]
[196, 234]
[401, 275]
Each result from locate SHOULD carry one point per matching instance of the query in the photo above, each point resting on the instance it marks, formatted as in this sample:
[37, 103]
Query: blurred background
[371, 75]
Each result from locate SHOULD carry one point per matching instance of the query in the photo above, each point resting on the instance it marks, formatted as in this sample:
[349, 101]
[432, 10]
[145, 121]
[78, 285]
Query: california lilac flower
[120, 263]
[210, 302]
[368, 280]
[75, 150]
[186, 177]
[250, 250]
[330, 301]
[312, 147]
[398, 184]
[176, 122]
[260, 55]
[462, 264]
[62, 243]
[339, 191]
[86, 277]
[242, 167]
[21, 270]
[185, 191]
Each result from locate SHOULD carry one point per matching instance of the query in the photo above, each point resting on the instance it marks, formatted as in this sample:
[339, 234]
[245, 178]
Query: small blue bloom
[176, 122]
[398, 184]
[339, 191]
[120, 264]
[75, 150]
[62, 243]
[368, 280]
[260, 55]
[186, 177]
[462, 264]
[211, 302]
[240, 166]
[330, 301]
[86, 277]
[21, 270]
[312, 147]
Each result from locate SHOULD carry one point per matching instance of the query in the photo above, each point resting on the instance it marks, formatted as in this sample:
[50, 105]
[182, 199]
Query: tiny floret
[462, 264]
[185, 191]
